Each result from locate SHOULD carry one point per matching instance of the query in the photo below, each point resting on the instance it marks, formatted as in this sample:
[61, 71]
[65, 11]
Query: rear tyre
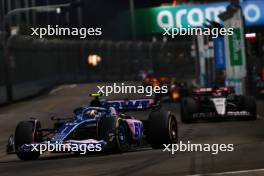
[188, 108]
[162, 129]
[249, 104]
[114, 131]
[26, 133]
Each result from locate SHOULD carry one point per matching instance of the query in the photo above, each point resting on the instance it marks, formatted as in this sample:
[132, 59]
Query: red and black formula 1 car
[217, 102]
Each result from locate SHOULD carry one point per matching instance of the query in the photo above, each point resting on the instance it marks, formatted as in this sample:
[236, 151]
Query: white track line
[232, 172]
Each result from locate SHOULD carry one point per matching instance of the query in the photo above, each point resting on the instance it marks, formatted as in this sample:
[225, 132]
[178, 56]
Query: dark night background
[106, 14]
[54, 61]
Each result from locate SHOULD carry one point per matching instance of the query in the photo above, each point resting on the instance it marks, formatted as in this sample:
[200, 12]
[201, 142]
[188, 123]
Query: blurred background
[130, 45]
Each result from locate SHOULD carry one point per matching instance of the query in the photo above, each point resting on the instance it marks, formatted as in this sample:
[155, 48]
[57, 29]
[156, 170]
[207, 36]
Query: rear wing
[131, 105]
[208, 91]
[127, 104]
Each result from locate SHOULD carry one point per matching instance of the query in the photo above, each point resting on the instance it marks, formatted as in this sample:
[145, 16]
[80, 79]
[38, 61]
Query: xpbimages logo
[68, 147]
[129, 89]
[59, 31]
[214, 32]
[191, 147]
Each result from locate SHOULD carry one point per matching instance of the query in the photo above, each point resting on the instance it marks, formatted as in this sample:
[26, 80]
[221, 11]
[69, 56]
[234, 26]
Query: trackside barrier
[41, 63]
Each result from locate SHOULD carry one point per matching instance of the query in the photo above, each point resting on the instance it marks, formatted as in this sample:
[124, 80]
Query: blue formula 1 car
[101, 126]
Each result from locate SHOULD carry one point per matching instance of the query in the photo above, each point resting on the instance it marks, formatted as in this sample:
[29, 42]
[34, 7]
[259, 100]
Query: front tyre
[249, 104]
[188, 108]
[114, 131]
[26, 133]
[162, 129]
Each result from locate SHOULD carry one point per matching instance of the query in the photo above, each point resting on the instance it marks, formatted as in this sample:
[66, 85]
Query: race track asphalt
[246, 159]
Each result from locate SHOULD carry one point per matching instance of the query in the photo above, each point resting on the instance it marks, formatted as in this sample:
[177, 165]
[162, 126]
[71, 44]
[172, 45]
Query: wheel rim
[122, 134]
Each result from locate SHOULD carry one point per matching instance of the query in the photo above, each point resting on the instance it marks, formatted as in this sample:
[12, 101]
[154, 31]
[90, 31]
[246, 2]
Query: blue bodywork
[79, 119]
[104, 111]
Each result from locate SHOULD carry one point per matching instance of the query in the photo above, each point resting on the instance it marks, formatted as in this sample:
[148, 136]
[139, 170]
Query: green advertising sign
[235, 48]
[153, 20]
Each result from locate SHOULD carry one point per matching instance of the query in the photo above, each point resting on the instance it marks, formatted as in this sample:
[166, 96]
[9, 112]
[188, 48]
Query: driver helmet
[113, 111]
[91, 114]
